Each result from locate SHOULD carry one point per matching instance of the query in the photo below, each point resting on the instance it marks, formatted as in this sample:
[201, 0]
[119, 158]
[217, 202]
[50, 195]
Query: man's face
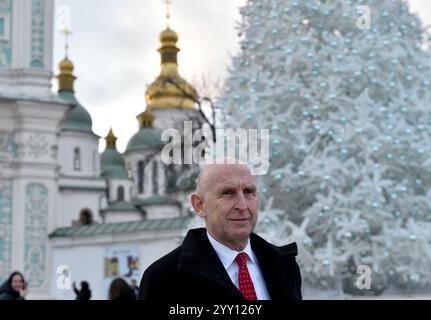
[229, 202]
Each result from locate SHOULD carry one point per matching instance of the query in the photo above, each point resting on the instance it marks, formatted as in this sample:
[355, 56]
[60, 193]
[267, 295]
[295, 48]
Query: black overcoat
[194, 273]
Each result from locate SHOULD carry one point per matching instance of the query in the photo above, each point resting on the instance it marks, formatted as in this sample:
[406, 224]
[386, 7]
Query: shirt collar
[226, 254]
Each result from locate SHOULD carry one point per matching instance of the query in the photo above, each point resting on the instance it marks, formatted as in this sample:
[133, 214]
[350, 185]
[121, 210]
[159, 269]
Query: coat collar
[198, 258]
[277, 265]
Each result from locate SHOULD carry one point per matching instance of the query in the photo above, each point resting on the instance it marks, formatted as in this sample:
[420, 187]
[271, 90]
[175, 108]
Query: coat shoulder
[159, 276]
[290, 249]
[168, 262]
[6, 296]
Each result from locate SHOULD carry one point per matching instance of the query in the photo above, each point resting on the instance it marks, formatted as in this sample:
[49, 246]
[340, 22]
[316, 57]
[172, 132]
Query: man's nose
[241, 204]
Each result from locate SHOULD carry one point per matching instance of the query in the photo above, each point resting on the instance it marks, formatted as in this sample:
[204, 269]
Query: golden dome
[146, 119]
[111, 140]
[168, 35]
[66, 65]
[170, 90]
[66, 78]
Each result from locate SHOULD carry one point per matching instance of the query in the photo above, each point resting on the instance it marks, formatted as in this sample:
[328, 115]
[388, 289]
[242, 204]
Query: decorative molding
[4, 27]
[36, 228]
[37, 34]
[5, 38]
[37, 146]
[8, 146]
[6, 197]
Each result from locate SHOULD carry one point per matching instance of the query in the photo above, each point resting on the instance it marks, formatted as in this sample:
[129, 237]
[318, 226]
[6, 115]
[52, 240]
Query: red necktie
[244, 280]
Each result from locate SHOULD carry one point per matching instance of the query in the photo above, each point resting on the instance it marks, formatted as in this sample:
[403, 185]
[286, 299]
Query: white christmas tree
[348, 100]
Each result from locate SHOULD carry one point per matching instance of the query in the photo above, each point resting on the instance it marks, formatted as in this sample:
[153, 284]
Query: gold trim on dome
[146, 119]
[170, 90]
[66, 79]
[111, 140]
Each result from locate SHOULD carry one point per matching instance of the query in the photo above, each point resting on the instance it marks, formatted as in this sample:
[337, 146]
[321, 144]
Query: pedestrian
[120, 290]
[84, 293]
[135, 287]
[14, 288]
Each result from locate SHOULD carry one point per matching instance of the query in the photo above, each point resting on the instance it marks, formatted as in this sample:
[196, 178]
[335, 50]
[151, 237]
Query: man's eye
[227, 193]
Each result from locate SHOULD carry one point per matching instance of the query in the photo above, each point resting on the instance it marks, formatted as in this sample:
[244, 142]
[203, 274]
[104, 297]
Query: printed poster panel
[121, 262]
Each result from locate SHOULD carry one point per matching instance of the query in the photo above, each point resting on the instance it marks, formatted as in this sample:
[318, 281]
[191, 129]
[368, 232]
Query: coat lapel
[277, 266]
[198, 258]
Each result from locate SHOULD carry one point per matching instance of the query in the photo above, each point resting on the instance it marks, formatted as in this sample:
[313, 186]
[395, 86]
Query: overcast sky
[114, 49]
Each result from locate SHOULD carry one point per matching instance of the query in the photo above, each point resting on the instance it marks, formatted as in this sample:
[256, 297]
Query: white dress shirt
[227, 257]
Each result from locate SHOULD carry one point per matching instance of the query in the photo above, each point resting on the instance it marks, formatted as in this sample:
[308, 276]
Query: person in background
[120, 290]
[84, 293]
[14, 288]
[135, 287]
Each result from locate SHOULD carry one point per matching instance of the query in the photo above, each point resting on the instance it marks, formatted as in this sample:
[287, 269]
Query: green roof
[82, 188]
[136, 203]
[122, 227]
[121, 206]
[113, 165]
[145, 138]
[78, 119]
[94, 178]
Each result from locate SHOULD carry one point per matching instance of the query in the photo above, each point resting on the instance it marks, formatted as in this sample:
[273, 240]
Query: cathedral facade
[67, 212]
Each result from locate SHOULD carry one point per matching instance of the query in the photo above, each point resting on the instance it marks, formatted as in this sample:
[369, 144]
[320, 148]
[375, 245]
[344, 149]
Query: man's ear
[197, 204]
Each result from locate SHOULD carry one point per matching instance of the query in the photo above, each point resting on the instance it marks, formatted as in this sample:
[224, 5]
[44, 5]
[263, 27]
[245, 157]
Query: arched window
[94, 161]
[141, 177]
[77, 159]
[155, 178]
[86, 217]
[120, 193]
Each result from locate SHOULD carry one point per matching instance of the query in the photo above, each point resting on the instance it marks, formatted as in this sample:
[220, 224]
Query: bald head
[213, 169]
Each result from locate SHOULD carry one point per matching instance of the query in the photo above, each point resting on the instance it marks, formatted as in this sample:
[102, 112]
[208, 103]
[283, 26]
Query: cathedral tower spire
[170, 90]
[66, 79]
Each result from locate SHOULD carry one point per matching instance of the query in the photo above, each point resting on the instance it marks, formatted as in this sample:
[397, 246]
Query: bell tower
[26, 41]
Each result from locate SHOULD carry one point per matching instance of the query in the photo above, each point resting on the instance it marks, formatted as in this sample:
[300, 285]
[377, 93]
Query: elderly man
[226, 260]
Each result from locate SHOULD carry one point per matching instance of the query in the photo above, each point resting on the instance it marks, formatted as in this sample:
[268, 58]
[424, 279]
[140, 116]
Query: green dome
[113, 165]
[146, 138]
[78, 119]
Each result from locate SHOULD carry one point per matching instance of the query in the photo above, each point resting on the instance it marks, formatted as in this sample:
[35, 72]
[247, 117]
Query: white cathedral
[68, 213]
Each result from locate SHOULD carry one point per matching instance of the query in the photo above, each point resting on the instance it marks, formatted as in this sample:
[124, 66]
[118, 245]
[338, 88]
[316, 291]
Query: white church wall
[84, 263]
[34, 215]
[33, 174]
[162, 211]
[132, 160]
[89, 154]
[114, 184]
[7, 115]
[28, 49]
[85, 257]
[116, 216]
[172, 118]
[73, 202]
[161, 177]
